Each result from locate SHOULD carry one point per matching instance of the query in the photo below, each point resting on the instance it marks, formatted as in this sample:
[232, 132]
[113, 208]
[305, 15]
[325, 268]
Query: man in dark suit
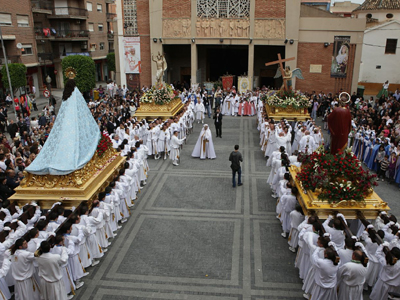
[218, 123]
[235, 158]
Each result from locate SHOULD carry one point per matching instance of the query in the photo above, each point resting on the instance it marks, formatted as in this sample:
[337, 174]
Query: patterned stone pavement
[192, 236]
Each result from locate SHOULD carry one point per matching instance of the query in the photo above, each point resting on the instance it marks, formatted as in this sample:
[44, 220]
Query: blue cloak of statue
[72, 141]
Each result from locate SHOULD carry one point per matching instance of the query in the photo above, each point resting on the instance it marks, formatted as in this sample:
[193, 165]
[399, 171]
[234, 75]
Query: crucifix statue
[286, 73]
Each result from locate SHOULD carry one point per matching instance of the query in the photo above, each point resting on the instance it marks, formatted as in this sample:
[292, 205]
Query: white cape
[204, 147]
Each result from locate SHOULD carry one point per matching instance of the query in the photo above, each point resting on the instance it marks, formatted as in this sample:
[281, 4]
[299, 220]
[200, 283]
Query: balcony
[110, 16]
[42, 6]
[12, 59]
[61, 35]
[69, 13]
[45, 58]
[110, 36]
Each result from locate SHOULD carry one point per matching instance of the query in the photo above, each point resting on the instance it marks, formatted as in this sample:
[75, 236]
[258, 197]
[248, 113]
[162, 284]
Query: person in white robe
[389, 277]
[52, 287]
[296, 218]
[325, 274]
[307, 143]
[336, 232]
[288, 203]
[351, 278]
[200, 109]
[271, 142]
[204, 147]
[175, 148]
[22, 269]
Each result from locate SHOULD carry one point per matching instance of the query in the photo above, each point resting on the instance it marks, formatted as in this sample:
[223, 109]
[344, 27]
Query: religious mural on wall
[340, 57]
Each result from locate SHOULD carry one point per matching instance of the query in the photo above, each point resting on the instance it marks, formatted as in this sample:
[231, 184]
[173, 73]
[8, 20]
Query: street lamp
[48, 80]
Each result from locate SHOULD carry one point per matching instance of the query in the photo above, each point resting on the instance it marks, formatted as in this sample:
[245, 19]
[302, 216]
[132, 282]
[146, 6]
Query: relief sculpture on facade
[269, 29]
[222, 28]
[176, 28]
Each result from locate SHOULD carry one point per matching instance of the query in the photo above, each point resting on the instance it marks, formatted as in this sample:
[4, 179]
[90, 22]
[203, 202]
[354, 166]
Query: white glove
[42, 218]
[73, 208]
[33, 203]
[391, 223]
[354, 237]
[384, 213]
[330, 217]
[14, 221]
[370, 226]
[57, 203]
[6, 228]
[340, 215]
[327, 234]
[358, 244]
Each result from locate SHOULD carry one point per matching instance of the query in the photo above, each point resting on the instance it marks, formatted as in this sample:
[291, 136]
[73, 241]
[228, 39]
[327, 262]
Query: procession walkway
[192, 236]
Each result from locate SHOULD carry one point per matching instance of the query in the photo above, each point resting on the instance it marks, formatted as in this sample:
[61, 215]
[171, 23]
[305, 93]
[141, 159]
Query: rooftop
[379, 5]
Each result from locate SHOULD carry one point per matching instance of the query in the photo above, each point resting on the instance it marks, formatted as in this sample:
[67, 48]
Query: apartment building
[40, 33]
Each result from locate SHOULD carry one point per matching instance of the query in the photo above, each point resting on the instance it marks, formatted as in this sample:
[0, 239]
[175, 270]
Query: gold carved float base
[153, 111]
[310, 203]
[71, 189]
[289, 113]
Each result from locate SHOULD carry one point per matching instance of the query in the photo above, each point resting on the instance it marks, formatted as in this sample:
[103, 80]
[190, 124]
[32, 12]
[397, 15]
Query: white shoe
[104, 250]
[79, 284]
[175, 164]
[202, 122]
[70, 297]
[95, 263]
[274, 196]
[85, 274]
[123, 221]
[109, 243]
[307, 296]
[119, 227]
[283, 234]
[292, 249]
[115, 234]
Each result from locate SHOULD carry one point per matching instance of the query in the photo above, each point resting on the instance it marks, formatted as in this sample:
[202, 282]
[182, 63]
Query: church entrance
[178, 65]
[215, 61]
[265, 75]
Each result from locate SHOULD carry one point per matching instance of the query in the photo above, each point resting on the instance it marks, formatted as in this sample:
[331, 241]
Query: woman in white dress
[204, 147]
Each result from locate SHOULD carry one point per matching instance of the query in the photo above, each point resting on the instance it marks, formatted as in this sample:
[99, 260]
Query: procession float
[161, 100]
[286, 103]
[76, 162]
[336, 181]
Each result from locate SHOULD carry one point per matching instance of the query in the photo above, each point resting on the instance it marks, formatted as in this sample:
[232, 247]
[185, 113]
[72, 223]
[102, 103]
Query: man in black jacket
[218, 123]
[235, 158]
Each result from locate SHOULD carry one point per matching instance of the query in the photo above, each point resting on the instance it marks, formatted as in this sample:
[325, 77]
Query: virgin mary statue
[73, 139]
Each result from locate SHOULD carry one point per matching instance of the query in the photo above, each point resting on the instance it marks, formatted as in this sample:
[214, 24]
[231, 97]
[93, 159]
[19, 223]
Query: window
[101, 46]
[223, 8]
[99, 7]
[391, 45]
[130, 21]
[389, 16]
[92, 47]
[27, 49]
[100, 27]
[91, 27]
[89, 6]
[22, 21]
[5, 19]
[111, 46]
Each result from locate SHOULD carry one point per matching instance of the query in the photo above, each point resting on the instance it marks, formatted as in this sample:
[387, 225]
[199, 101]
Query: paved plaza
[192, 236]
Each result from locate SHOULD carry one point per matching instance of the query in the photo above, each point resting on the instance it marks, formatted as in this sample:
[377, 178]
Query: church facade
[203, 40]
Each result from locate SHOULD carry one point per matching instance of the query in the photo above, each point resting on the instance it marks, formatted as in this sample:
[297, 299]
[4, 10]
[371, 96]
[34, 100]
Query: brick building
[204, 39]
[45, 31]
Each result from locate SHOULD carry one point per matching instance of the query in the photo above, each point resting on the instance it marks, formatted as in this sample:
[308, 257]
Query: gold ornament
[70, 73]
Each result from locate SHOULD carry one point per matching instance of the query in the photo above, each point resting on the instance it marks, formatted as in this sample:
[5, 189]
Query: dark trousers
[218, 129]
[239, 177]
[34, 106]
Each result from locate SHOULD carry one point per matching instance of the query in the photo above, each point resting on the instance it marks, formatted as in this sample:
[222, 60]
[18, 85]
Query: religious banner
[243, 84]
[195, 86]
[340, 57]
[132, 55]
[227, 82]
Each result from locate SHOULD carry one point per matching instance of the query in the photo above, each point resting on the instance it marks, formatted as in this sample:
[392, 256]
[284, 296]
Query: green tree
[17, 76]
[111, 61]
[85, 71]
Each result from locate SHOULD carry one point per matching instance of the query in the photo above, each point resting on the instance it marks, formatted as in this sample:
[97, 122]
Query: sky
[354, 1]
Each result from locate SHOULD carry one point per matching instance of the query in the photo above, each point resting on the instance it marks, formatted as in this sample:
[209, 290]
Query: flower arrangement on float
[160, 94]
[335, 177]
[104, 144]
[284, 99]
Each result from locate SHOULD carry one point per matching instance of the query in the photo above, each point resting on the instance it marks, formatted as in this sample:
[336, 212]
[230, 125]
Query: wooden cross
[280, 61]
